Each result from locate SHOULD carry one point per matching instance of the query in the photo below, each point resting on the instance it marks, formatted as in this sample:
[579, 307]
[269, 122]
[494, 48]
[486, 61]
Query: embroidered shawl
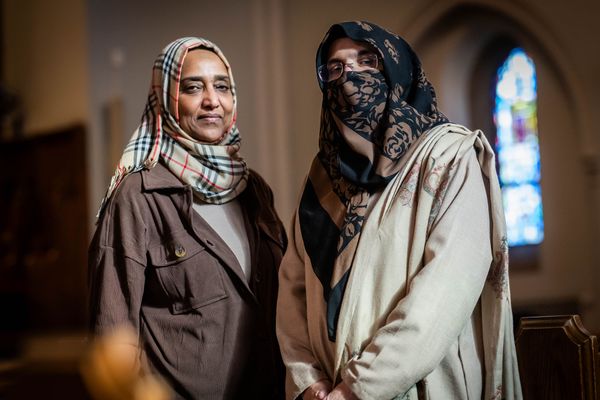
[429, 281]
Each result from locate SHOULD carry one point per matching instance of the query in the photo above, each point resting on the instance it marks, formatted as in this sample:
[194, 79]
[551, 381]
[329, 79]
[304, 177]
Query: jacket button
[179, 251]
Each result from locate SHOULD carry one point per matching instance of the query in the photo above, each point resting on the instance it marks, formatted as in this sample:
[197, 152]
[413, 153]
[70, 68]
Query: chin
[209, 137]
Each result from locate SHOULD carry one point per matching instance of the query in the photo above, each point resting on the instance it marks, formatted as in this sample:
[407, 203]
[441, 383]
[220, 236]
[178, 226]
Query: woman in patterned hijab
[188, 242]
[369, 119]
[359, 305]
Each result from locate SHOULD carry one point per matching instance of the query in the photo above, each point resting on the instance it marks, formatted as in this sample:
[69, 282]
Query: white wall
[45, 61]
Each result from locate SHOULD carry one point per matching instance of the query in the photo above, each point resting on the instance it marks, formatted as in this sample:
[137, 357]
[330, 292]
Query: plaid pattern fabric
[215, 171]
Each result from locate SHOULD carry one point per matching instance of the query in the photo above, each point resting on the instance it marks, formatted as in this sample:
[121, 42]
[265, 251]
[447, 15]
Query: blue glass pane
[520, 163]
[515, 117]
[523, 210]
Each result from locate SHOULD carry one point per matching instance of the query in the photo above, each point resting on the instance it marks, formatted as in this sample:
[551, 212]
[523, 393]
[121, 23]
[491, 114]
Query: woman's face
[205, 100]
[346, 54]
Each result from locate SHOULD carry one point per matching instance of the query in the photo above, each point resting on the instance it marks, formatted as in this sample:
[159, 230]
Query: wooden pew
[558, 359]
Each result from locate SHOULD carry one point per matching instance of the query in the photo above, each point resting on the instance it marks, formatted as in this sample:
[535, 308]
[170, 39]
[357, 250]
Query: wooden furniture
[558, 359]
[43, 235]
[43, 263]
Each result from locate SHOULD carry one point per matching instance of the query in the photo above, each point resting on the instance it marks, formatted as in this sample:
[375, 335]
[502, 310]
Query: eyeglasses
[333, 70]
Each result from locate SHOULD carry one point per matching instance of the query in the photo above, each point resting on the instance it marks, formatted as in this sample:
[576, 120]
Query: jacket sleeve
[116, 267]
[441, 298]
[302, 369]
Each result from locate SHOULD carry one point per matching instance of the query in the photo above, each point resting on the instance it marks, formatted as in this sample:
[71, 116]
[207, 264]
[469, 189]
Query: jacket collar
[160, 177]
[253, 200]
[257, 213]
[258, 206]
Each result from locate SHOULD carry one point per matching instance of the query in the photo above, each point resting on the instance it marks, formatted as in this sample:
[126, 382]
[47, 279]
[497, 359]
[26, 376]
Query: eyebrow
[199, 78]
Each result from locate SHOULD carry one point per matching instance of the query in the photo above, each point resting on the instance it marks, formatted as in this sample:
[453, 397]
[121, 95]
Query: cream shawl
[433, 249]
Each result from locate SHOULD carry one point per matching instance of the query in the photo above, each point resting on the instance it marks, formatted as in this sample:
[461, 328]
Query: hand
[342, 392]
[318, 390]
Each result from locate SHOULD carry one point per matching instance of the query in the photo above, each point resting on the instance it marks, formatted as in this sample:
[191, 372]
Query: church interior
[74, 80]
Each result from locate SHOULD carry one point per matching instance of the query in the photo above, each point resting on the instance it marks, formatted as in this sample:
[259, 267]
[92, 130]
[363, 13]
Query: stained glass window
[517, 146]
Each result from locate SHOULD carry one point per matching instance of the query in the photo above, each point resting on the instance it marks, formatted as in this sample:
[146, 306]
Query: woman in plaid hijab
[188, 242]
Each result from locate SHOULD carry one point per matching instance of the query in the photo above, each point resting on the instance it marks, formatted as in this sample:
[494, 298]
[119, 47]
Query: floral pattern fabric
[369, 120]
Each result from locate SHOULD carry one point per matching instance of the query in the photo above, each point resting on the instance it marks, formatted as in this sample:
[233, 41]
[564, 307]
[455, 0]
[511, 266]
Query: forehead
[203, 62]
[346, 46]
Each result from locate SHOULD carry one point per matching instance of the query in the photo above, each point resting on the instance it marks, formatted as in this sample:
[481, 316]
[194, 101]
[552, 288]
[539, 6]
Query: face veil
[369, 120]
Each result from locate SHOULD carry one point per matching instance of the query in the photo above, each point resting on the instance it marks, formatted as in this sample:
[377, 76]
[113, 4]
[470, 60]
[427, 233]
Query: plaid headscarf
[216, 172]
[368, 121]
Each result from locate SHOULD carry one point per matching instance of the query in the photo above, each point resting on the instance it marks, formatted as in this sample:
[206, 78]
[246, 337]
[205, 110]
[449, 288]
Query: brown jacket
[154, 263]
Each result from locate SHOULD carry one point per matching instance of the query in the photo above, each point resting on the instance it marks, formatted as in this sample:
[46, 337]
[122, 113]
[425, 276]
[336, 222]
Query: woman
[188, 242]
[404, 293]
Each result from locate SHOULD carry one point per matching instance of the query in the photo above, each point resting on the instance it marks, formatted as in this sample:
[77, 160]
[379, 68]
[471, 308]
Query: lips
[210, 118]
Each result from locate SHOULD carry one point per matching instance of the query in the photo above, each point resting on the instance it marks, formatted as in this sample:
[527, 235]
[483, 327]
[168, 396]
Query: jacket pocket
[190, 275]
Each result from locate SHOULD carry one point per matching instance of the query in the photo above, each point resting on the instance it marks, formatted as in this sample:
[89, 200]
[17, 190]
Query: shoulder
[258, 197]
[449, 134]
[256, 179]
[259, 186]
[124, 203]
[121, 223]
[130, 186]
[452, 142]
[127, 193]
[137, 185]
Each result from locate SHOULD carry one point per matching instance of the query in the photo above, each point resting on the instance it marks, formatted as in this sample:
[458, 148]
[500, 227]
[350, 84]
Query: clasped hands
[322, 390]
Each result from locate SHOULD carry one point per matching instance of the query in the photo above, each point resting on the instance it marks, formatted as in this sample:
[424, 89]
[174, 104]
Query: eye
[222, 87]
[192, 87]
[335, 68]
[368, 61]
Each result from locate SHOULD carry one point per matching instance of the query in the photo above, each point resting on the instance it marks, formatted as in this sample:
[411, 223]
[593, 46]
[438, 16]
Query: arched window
[517, 146]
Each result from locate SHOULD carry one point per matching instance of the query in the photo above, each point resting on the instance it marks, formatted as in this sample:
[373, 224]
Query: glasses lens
[323, 73]
[330, 72]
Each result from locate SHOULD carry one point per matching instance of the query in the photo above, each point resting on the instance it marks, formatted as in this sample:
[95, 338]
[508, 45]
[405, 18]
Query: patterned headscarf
[368, 121]
[216, 172]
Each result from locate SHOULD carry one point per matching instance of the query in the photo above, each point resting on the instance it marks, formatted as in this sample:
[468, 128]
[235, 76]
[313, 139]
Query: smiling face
[205, 99]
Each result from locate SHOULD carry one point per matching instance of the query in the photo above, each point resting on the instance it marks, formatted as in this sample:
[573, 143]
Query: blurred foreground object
[46, 366]
[112, 370]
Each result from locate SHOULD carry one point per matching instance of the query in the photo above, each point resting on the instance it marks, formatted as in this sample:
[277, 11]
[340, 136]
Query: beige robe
[426, 313]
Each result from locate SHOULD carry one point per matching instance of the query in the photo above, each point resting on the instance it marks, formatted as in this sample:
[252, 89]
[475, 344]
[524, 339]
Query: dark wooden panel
[43, 233]
[557, 358]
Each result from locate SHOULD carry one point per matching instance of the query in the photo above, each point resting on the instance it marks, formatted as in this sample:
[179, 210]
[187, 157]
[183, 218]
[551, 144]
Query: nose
[348, 67]
[210, 99]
